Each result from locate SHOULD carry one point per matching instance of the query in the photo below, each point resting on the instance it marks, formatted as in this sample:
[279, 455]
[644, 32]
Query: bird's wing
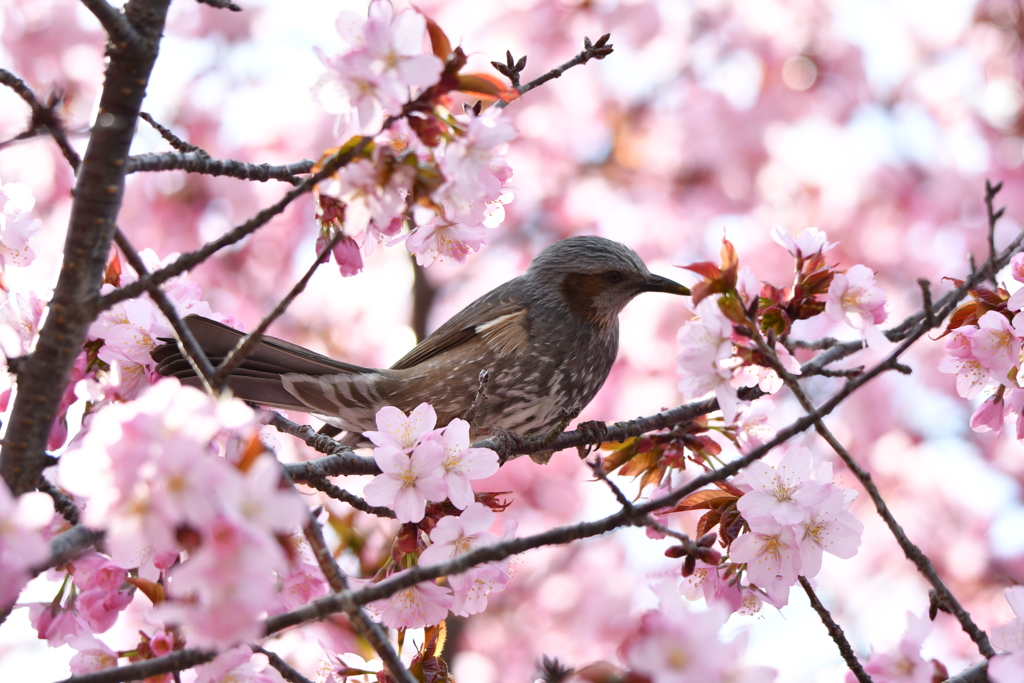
[498, 318]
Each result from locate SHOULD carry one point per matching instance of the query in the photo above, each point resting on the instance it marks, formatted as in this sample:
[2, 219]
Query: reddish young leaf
[726, 486]
[640, 464]
[152, 590]
[439, 43]
[708, 521]
[987, 296]
[705, 269]
[487, 86]
[112, 275]
[707, 499]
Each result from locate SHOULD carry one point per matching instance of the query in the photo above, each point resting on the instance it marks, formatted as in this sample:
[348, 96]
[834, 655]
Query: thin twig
[175, 142]
[221, 4]
[367, 628]
[62, 502]
[338, 493]
[248, 343]
[598, 50]
[926, 302]
[287, 672]
[187, 343]
[993, 217]
[195, 163]
[43, 116]
[836, 632]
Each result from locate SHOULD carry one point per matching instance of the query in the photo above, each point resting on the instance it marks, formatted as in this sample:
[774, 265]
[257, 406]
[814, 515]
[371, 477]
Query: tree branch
[836, 632]
[193, 162]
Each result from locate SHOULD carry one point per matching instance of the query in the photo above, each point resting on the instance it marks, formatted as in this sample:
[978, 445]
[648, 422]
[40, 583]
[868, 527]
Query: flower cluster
[673, 644]
[983, 348]
[777, 522]
[150, 479]
[21, 544]
[444, 174]
[721, 352]
[420, 463]
[1009, 667]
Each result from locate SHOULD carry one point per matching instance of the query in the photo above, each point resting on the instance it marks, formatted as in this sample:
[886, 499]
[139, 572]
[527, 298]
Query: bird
[546, 339]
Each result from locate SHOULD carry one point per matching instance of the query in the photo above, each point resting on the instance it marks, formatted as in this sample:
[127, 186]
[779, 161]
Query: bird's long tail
[258, 378]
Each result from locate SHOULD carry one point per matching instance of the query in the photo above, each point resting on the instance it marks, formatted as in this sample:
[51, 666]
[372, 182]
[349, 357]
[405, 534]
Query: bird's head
[595, 277]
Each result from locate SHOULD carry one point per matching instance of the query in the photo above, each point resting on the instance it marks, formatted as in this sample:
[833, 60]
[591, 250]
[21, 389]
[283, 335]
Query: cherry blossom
[995, 344]
[674, 645]
[1006, 668]
[21, 546]
[808, 242]
[853, 298]
[1010, 636]
[770, 550]
[473, 165]
[239, 664]
[905, 665]
[783, 493]
[403, 432]
[385, 61]
[17, 226]
[408, 480]
[444, 237]
[706, 343]
[828, 527]
[423, 604]
[463, 463]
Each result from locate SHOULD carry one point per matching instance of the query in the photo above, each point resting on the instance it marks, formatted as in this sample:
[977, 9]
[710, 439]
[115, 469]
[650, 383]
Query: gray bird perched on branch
[547, 340]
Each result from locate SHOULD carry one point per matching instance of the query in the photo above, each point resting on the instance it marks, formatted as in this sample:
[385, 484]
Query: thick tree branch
[119, 29]
[98, 191]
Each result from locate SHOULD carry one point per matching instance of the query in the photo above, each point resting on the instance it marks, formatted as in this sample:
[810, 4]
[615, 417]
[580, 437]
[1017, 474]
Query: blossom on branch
[17, 226]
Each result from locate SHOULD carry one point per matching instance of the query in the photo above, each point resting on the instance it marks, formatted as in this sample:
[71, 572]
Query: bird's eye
[613, 276]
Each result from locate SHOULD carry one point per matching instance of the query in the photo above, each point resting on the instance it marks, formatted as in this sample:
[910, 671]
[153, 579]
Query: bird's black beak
[656, 283]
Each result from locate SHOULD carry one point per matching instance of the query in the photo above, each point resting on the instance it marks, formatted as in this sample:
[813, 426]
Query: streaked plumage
[548, 339]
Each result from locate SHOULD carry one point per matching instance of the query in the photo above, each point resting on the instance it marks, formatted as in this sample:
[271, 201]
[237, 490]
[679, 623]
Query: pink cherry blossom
[770, 550]
[19, 322]
[752, 428]
[1008, 668]
[346, 255]
[995, 344]
[704, 364]
[784, 492]
[473, 163]
[423, 604]
[472, 587]
[853, 298]
[239, 665]
[386, 59]
[257, 501]
[401, 431]
[828, 527]
[1010, 637]
[444, 237]
[408, 481]
[21, 545]
[989, 415]
[454, 536]
[705, 582]
[675, 645]
[905, 665]
[463, 463]
[17, 226]
[806, 243]
[94, 656]
[341, 668]
[1017, 267]
[971, 375]
[220, 594]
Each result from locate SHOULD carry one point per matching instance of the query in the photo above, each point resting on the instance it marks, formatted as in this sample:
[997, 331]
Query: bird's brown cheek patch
[580, 291]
